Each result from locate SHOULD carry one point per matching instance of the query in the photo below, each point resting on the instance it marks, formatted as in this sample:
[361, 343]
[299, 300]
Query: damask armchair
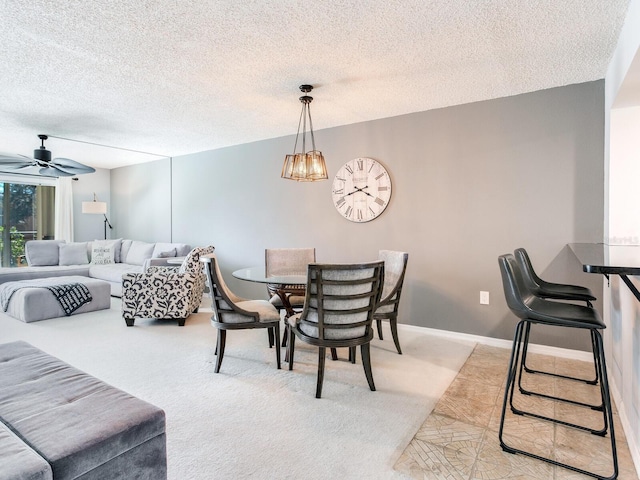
[165, 292]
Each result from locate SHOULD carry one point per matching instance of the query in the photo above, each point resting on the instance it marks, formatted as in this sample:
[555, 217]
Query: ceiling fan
[42, 164]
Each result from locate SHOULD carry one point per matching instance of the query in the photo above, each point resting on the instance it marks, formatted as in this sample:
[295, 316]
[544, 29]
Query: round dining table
[284, 285]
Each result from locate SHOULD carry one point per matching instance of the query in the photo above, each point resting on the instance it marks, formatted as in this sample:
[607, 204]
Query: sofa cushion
[113, 273]
[124, 249]
[19, 461]
[139, 252]
[73, 253]
[42, 252]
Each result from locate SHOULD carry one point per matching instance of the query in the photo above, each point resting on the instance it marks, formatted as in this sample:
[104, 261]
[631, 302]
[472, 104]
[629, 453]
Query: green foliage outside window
[17, 244]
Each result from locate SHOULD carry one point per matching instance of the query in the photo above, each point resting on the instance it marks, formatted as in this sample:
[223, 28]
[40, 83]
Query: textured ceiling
[176, 77]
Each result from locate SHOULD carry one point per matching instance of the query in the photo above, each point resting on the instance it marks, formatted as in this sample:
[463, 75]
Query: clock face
[361, 190]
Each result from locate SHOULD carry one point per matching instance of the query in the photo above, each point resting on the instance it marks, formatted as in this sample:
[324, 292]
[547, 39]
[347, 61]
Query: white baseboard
[500, 343]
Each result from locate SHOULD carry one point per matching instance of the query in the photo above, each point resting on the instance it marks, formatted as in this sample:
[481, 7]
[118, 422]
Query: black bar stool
[555, 291]
[534, 310]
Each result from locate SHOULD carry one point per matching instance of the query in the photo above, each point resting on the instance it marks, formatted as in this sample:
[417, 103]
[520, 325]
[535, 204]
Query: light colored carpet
[252, 420]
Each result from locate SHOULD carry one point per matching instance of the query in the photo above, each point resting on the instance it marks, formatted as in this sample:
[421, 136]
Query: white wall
[623, 317]
[621, 310]
[88, 227]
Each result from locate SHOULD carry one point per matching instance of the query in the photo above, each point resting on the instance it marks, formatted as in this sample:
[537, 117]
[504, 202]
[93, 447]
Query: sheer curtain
[64, 210]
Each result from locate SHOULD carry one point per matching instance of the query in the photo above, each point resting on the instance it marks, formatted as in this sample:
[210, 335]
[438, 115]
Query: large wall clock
[361, 189]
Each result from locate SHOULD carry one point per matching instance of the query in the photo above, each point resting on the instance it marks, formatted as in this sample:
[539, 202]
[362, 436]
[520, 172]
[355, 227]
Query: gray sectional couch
[105, 260]
[59, 423]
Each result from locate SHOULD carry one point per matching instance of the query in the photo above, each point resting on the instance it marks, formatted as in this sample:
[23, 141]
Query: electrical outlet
[484, 298]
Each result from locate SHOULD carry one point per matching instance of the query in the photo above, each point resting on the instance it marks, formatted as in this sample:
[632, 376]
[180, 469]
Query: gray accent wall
[470, 182]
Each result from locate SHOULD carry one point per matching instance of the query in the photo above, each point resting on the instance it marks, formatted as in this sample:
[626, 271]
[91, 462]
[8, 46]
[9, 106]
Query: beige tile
[467, 410]
[436, 462]
[443, 431]
[494, 463]
[459, 440]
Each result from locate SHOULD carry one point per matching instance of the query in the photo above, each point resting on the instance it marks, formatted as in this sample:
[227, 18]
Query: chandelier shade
[305, 166]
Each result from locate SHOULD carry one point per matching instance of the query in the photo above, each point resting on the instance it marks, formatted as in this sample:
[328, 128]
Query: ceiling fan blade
[71, 166]
[7, 160]
[54, 172]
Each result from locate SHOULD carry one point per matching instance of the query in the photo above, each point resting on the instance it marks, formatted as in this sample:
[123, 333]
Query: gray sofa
[105, 260]
[59, 423]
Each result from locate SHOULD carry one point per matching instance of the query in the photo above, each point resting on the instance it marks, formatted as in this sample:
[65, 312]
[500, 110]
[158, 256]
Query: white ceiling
[175, 77]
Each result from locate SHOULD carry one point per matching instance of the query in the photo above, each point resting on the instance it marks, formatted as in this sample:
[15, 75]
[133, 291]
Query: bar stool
[555, 291]
[534, 310]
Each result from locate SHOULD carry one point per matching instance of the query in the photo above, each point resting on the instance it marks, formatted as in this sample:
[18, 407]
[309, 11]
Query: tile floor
[459, 440]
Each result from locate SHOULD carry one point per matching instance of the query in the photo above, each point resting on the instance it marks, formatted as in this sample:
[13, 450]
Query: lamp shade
[98, 208]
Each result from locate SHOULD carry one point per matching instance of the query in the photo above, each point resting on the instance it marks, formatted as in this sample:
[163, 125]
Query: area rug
[252, 420]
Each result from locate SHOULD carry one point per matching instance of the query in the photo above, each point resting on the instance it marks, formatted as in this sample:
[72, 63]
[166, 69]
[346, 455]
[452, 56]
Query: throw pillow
[73, 253]
[102, 254]
[116, 245]
[167, 254]
[139, 252]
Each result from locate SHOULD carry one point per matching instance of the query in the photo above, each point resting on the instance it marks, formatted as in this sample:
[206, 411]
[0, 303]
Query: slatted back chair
[338, 312]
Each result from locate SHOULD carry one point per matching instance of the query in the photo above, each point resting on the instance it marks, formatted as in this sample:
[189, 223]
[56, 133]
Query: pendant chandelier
[305, 166]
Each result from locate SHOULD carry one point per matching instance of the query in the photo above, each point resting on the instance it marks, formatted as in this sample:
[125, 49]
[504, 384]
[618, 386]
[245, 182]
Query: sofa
[59, 423]
[104, 260]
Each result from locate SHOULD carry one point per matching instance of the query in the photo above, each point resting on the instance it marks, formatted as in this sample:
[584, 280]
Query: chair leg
[270, 335]
[285, 335]
[366, 363]
[181, 322]
[321, 354]
[352, 354]
[129, 321]
[276, 335]
[393, 323]
[604, 388]
[527, 369]
[334, 354]
[222, 336]
[290, 348]
[523, 368]
[379, 327]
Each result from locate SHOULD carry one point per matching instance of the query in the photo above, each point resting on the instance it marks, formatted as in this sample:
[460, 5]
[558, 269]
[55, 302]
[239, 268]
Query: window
[27, 212]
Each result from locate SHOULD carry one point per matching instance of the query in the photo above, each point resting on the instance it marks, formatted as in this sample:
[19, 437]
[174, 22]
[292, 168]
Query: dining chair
[553, 291]
[338, 312]
[395, 266]
[531, 309]
[287, 261]
[231, 312]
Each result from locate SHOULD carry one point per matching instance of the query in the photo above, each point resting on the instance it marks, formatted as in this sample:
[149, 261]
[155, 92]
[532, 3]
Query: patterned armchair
[165, 292]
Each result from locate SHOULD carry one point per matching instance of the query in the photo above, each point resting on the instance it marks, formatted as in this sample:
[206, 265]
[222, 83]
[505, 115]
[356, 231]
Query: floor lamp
[97, 208]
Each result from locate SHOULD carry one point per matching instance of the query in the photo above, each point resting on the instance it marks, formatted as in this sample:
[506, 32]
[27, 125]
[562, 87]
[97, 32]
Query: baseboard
[501, 343]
